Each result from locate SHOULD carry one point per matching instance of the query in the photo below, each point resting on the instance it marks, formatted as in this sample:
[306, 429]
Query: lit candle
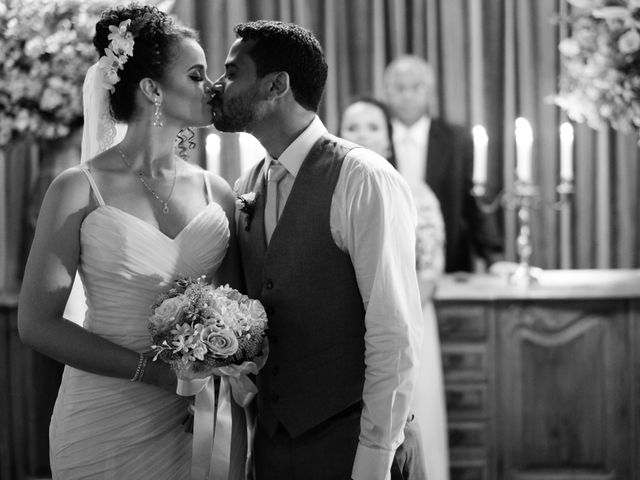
[480, 142]
[566, 152]
[524, 141]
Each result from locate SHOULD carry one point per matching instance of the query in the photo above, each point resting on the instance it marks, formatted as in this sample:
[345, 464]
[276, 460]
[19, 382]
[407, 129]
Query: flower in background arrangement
[198, 328]
[600, 79]
[45, 50]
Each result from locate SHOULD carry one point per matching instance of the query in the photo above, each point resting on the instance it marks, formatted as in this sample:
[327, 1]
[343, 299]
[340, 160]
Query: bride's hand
[161, 375]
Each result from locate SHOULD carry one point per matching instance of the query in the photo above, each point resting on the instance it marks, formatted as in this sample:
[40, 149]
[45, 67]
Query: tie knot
[276, 172]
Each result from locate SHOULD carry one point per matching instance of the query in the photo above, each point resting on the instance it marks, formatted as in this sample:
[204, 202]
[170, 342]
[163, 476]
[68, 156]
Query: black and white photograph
[319, 239]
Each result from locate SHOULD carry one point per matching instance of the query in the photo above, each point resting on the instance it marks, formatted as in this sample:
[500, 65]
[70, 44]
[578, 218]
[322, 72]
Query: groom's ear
[150, 89]
[278, 84]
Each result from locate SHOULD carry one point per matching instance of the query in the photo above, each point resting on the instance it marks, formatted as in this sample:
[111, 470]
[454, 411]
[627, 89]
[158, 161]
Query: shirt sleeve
[373, 218]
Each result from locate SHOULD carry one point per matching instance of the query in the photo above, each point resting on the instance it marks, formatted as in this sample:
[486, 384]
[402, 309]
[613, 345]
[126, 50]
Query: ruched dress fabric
[112, 428]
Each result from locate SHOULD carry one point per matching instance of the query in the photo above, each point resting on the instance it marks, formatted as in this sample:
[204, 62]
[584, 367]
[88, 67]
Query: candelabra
[523, 197]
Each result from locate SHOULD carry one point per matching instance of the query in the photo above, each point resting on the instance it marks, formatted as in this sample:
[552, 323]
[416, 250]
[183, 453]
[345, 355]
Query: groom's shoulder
[364, 168]
[358, 156]
[368, 162]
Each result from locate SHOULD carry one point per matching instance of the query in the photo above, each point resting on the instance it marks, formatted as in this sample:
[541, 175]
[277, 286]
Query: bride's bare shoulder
[70, 187]
[70, 178]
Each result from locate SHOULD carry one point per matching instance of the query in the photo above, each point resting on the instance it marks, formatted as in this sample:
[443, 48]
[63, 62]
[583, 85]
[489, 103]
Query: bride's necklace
[165, 203]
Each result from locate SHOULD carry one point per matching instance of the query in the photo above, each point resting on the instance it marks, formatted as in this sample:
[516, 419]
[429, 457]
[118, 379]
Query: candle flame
[566, 132]
[480, 134]
[523, 131]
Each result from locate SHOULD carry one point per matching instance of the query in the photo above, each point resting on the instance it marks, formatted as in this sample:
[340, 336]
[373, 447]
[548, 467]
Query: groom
[328, 247]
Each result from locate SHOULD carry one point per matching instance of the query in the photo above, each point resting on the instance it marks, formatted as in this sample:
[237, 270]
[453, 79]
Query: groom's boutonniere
[246, 203]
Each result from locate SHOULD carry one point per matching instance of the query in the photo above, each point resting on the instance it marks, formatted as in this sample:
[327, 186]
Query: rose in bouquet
[200, 329]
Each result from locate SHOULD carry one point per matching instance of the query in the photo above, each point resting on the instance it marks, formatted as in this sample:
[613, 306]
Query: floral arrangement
[198, 328]
[600, 79]
[45, 50]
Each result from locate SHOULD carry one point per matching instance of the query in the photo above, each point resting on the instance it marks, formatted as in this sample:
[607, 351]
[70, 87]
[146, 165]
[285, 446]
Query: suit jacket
[449, 174]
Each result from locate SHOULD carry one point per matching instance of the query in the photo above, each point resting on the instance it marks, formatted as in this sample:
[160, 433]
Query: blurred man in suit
[441, 155]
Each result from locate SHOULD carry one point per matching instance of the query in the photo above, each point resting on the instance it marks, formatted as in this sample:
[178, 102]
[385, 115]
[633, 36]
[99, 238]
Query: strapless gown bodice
[111, 428]
[125, 263]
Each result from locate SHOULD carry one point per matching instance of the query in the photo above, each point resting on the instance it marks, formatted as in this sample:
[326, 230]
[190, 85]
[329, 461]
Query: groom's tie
[276, 172]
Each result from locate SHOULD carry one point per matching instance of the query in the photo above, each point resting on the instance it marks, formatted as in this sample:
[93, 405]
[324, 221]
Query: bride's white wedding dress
[111, 428]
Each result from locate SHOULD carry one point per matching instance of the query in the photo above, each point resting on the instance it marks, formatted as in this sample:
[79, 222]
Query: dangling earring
[157, 115]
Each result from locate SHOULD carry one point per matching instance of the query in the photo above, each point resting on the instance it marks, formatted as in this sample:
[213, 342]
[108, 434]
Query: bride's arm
[230, 270]
[47, 282]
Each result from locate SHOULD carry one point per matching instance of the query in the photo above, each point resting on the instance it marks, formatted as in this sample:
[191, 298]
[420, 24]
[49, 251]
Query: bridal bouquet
[199, 329]
[202, 330]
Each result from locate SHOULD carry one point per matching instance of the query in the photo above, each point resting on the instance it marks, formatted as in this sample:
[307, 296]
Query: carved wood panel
[564, 386]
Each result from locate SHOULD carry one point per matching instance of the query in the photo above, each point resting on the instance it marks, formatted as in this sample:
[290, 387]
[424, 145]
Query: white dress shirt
[373, 218]
[411, 144]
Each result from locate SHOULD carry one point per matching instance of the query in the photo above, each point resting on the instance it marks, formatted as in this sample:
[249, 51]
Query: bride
[129, 220]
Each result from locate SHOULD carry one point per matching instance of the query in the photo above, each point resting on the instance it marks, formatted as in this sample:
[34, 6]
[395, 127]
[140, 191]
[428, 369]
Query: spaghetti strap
[94, 187]
[207, 186]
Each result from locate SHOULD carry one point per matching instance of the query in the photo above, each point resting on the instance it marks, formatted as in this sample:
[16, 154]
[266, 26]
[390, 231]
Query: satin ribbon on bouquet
[219, 449]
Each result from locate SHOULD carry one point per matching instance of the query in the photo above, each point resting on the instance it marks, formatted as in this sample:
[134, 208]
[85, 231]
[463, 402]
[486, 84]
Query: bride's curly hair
[155, 34]
[185, 141]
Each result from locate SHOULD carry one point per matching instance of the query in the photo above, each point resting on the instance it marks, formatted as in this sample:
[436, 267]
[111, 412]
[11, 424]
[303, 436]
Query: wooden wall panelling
[7, 466]
[18, 398]
[467, 336]
[30, 383]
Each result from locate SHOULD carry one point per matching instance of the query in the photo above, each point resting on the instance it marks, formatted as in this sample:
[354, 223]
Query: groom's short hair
[287, 47]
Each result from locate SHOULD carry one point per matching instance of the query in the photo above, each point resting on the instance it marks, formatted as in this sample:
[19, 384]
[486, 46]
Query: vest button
[269, 310]
[275, 371]
[272, 338]
[275, 397]
[268, 284]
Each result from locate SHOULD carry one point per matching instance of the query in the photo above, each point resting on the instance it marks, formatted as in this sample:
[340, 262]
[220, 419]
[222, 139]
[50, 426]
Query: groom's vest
[315, 367]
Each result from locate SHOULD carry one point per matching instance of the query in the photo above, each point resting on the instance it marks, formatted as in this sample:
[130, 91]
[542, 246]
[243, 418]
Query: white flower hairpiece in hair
[116, 54]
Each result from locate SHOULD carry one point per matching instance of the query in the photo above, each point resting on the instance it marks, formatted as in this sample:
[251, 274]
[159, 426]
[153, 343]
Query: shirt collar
[297, 151]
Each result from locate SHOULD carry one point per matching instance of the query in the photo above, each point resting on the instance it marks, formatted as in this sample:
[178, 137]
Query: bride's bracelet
[142, 363]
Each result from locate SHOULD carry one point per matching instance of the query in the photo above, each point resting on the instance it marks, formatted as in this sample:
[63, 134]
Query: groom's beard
[236, 114]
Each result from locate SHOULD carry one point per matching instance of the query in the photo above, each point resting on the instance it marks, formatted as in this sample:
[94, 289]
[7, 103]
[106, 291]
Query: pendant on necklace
[165, 203]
